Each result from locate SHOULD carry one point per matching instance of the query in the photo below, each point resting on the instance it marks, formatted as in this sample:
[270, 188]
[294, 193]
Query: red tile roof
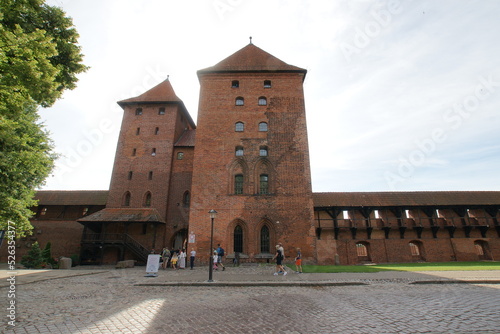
[124, 215]
[186, 139]
[72, 197]
[419, 198]
[251, 59]
[163, 92]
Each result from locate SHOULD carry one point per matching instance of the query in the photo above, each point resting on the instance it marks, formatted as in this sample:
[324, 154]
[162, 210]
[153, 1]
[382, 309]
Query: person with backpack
[220, 254]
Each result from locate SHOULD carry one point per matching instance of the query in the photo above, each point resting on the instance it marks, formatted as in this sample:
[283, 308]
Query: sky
[400, 95]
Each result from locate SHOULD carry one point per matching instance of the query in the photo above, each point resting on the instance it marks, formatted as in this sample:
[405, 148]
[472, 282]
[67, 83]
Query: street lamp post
[212, 214]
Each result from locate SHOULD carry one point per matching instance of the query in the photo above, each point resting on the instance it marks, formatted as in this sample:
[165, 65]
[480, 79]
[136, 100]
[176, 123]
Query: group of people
[176, 259]
[280, 256]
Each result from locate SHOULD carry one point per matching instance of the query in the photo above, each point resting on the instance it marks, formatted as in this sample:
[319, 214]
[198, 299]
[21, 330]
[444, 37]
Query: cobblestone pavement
[117, 301]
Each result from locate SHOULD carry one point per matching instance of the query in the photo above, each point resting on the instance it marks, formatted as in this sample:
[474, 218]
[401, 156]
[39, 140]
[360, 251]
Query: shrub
[75, 260]
[34, 257]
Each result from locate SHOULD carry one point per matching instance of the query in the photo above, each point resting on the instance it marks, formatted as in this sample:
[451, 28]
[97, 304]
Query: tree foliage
[34, 257]
[39, 59]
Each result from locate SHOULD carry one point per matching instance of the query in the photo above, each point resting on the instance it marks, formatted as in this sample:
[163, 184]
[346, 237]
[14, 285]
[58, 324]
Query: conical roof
[251, 59]
[163, 92]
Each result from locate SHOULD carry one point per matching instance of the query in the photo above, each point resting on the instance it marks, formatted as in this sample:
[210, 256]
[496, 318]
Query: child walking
[298, 262]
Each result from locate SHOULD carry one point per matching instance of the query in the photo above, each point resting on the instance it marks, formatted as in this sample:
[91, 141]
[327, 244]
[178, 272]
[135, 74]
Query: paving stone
[112, 301]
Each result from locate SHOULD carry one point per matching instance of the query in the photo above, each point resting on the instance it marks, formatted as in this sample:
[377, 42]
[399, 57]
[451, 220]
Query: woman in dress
[182, 259]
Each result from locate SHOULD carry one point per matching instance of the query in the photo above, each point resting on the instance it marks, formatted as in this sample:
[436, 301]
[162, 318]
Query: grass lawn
[432, 266]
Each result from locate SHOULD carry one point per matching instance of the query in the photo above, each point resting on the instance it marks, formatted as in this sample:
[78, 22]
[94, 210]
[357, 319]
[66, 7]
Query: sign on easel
[153, 265]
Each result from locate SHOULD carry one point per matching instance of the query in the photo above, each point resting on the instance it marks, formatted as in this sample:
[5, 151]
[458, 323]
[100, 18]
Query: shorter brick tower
[151, 172]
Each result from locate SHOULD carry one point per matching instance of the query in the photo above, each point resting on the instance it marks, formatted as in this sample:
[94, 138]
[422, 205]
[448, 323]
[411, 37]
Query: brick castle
[248, 159]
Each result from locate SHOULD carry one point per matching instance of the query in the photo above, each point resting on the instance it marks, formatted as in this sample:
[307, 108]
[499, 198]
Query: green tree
[39, 59]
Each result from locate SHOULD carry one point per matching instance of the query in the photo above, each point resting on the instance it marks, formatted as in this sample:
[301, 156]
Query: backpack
[221, 251]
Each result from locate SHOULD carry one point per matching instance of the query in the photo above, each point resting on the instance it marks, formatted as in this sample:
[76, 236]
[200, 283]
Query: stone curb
[241, 284]
[458, 282]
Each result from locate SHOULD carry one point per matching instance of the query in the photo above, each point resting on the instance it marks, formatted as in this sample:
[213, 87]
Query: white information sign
[153, 264]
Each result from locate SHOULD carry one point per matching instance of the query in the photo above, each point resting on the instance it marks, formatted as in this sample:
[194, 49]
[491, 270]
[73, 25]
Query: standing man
[220, 254]
[165, 255]
[191, 258]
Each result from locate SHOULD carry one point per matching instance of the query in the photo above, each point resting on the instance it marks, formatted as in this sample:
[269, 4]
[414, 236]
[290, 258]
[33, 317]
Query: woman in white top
[182, 259]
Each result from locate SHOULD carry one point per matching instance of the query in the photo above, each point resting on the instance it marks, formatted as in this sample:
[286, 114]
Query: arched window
[263, 151]
[238, 239]
[240, 101]
[186, 199]
[414, 249]
[239, 151]
[147, 199]
[361, 250]
[235, 84]
[482, 250]
[239, 126]
[262, 101]
[263, 184]
[126, 199]
[265, 240]
[238, 184]
[263, 126]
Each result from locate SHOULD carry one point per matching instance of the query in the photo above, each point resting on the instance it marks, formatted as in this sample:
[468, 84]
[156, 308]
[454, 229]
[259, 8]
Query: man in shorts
[279, 261]
[220, 254]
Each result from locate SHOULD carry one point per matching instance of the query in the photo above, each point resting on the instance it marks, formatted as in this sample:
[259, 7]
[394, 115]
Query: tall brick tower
[251, 160]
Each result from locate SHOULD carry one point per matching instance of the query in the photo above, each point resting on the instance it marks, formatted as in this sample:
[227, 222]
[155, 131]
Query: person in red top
[298, 262]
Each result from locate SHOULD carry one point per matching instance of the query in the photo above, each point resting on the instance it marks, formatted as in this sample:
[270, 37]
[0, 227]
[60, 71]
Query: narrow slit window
[153, 152]
[264, 184]
[138, 111]
[265, 240]
[126, 199]
[161, 111]
[150, 175]
[238, 239]
[238, 184]
[147, 200]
